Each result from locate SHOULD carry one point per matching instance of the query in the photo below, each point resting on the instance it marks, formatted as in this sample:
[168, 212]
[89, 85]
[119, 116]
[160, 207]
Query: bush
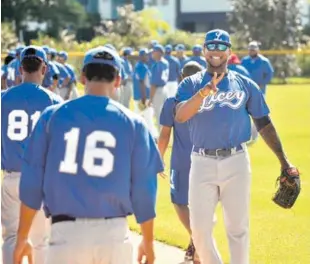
[8, 37]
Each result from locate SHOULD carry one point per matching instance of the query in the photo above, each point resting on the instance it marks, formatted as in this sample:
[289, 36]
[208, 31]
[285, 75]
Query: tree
[276, 24]
[8, 37]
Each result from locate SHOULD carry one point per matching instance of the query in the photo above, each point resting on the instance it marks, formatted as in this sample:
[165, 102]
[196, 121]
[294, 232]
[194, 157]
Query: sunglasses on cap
[216, 46]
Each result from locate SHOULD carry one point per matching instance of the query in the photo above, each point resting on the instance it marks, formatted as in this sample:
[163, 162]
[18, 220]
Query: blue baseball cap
[218, 36]
[46, 49]
[180, 47]
[168, 48]
[12, 53]
[127, 51]
[197, 48]
[103, 55]
[19, 49]
[34, 52]
[159, 47]
[153, 43]
[53, 51]
[63, 54]
[143, 52]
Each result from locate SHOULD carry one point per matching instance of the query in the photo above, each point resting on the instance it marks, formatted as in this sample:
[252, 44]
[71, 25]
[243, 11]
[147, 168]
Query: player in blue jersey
[126, 93]
[174, 72]
[51, 77]
[62, 58]
[183, 59]
[64, 76]
[234, 64]
[180, 157]
[141, 91]
[92, 162]
[151, 46]
[13, 73]
[197, 56]
[217, 104]
[159, 79]
[258, 66]
[21, 108]
[4, 68]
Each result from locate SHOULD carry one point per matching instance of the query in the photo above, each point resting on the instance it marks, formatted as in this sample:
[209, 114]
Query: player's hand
[149, 103]
[146, 252]
[23, 249]
[211, 88]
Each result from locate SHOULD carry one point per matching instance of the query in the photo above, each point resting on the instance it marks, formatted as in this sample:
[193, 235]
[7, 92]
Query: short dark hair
[8, 59]
[100, 72]
[31, 64]
[191, 68]
[53, 55]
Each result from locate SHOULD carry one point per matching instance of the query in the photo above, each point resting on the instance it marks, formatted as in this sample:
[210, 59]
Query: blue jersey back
[160, 73]
[240, 69]
[99, 161]
[174, 68]
[182, 146]
[141, 74]
[63, 73]
[21, 107]
[201, 60]
[223, 119]
[52, 70]
[12, 72]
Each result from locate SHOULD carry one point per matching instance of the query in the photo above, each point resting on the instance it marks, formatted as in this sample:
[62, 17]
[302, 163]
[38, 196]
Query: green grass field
[278, 236]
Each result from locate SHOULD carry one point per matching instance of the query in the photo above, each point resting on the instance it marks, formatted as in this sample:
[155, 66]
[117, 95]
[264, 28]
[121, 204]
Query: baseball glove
[141, 106]
[289, 188]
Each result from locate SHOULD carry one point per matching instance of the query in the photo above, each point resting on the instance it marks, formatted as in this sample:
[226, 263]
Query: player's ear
[83, 78]
[118, 81]
[44, 69]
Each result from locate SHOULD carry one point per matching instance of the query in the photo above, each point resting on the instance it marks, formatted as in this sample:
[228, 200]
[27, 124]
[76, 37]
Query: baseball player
[21, 109]
[258, 66]
[141, 91]
[159, 79]
[13, 74]
[234, 65]
[92, 162]
[183, 59]
[174, 72]
[62, 58]
[152, 44]
[218, 104]
[51, 77]
[180, 157]
[197, 56]
[127, 87]
[4, 68]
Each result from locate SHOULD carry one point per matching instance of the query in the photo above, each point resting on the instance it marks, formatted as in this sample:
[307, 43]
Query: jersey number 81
[91, 153]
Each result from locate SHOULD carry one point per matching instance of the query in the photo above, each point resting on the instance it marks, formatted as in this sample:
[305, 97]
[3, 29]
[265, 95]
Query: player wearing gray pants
[126, 93]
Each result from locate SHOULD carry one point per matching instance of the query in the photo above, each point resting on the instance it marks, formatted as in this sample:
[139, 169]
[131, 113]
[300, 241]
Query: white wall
[105, 9]
[195, 6]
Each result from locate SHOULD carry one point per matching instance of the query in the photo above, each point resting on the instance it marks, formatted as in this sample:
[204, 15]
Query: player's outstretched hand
[23, 249]
[211, 88]
[146, 253]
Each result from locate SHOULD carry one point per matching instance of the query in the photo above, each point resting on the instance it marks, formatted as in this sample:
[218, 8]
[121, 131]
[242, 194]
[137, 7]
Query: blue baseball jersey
[63, 72]
[124, 75]
[70, 70]
[240, 69]
[160, 73]
[4, 71]
[12, 72]
[91, 162]
[183, 61]
[128, 67]
[21, 107]
[182, 146]
[51, 71]
[141, 74]
[260, 69]
[223, 120]
[201, 60]
[151, 61]
[174, 68]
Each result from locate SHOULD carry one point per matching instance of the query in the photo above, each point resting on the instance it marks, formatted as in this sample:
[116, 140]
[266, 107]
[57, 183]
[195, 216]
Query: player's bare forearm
[147, 230]
[163, 140]
[152, 93]
[270, 136]
[187, 109]
[27, 215]
[65, 82]
[143, 91]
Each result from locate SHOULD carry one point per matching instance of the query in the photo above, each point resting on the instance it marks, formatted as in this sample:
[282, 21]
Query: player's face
[217, 54]
[180, 53]
[253, 52]
[156, 55]
[145, 58]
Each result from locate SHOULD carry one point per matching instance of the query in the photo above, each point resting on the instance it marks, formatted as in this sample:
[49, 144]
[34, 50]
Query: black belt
[65, 218]
[217, 152]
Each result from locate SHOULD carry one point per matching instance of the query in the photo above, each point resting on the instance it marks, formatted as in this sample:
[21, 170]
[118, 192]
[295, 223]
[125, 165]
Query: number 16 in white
[91, 153]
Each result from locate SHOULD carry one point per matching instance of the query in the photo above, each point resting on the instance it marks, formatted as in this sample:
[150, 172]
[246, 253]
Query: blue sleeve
[145, 164]
[54, 70]
[141, 73]
[33, 166]
[65, 72]
[268, 71]
[17, 72]
[256, 104]
[56, 99]
[167, 113]
[185, 90]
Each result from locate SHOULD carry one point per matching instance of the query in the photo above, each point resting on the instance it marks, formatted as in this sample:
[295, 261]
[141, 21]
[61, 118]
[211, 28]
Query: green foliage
[276, 24]
[8, 37]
